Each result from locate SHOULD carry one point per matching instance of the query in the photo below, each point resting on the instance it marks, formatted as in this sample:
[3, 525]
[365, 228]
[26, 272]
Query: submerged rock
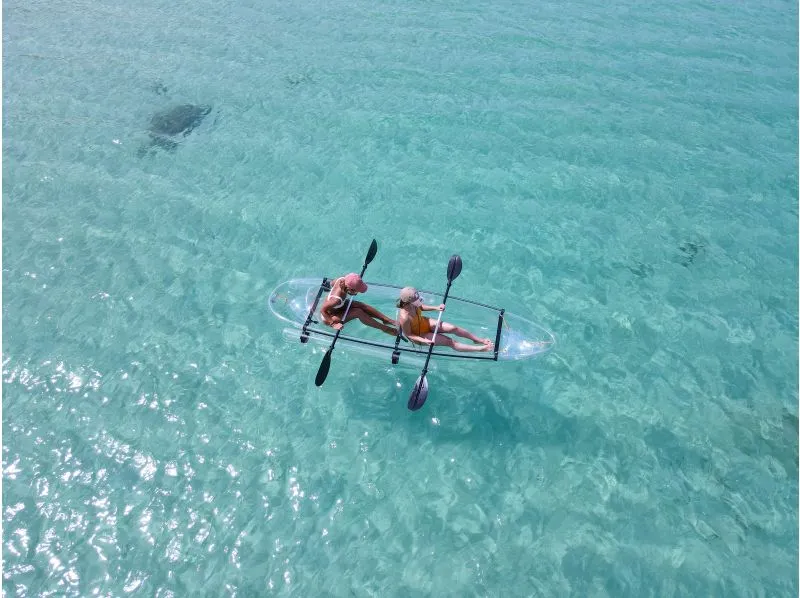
[689, 250]
[166, 125]
[159, 88]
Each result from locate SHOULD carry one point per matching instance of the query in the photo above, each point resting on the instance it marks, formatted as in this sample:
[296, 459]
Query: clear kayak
[297, 302]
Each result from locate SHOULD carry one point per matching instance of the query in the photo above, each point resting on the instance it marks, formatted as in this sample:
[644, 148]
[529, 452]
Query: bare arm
[325, 312]
[332, 301]
[439, 307]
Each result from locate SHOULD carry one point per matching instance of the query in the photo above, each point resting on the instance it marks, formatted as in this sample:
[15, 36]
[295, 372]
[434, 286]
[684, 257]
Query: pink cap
[354, 282]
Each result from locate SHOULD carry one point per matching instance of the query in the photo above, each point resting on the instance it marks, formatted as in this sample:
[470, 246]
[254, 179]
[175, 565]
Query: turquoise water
[625, 175]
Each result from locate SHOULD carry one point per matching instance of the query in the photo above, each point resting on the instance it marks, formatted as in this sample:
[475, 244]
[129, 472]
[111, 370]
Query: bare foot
[486, 347]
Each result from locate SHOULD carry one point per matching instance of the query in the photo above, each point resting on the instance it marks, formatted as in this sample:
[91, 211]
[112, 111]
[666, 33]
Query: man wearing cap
[333, 308]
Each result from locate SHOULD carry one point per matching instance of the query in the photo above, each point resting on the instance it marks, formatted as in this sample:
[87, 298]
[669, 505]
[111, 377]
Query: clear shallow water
[625, 175]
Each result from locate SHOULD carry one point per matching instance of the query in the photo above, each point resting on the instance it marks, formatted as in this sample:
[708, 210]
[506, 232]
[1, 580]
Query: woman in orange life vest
[333, 308]
[419, 329]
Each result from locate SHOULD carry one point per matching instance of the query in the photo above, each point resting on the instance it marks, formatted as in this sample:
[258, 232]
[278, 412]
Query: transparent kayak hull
[520, 338]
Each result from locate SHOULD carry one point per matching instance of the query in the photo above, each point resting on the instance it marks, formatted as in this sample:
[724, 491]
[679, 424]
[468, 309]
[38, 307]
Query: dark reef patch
[168, 125]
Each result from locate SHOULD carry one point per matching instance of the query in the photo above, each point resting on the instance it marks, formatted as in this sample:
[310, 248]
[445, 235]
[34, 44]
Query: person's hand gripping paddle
[420, 391]
[325, 366]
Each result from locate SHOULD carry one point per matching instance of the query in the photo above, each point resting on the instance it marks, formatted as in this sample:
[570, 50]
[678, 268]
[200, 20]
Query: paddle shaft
[344, 317]
[324, 367]
[435, 331]
[350, 300]
[420, 393]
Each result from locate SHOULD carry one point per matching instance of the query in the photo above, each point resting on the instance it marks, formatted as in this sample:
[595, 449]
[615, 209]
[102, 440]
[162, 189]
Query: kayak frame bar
[324, 286]
[394, 286]
[391, 348]
[499, 330]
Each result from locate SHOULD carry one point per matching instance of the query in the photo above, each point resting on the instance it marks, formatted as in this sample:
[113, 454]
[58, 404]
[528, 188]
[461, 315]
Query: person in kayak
[419, 329]
[332, 312]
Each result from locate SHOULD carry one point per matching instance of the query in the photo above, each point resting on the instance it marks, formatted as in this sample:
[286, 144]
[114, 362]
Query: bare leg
[452, 329]
[373, 313]
[359, 314]
[455, 345]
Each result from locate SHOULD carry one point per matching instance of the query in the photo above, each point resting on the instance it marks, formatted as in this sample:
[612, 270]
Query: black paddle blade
[373, 249]
[418, 394]
[324, 367]
[453, 268]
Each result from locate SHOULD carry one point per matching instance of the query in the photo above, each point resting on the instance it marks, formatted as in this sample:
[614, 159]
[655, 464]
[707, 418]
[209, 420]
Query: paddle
[420, 391]
[325, 366]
